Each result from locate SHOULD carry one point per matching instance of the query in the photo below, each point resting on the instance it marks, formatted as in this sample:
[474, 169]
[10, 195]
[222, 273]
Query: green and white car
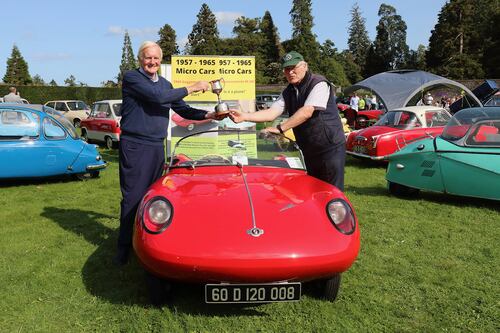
[464, 160]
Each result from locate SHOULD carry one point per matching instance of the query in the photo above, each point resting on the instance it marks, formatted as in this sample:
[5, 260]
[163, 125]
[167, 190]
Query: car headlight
[341, 216]
[157, 215]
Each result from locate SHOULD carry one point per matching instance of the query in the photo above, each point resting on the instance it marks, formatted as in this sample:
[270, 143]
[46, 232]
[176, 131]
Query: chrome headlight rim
[349, 214]
[145, 211]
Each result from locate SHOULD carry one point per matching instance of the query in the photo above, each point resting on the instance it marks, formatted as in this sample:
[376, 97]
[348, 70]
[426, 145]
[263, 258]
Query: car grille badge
[255, 232]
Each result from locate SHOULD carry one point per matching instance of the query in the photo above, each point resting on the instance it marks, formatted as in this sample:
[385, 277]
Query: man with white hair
[309, 100]
[12, 96]
[147, 100]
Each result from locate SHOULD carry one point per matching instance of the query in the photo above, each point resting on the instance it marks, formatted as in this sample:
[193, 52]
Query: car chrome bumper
[375, 158]
[94, 167]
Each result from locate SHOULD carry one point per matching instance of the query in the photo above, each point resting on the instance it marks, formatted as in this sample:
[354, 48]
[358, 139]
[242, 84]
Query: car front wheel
[76, 122]
[332, 287]
[84, 135]
[109, 142]
[402, 190]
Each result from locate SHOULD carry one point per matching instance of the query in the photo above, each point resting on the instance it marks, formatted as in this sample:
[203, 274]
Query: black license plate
[252, 293]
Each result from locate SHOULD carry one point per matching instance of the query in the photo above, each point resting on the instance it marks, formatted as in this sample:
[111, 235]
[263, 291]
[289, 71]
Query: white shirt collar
[153, 78]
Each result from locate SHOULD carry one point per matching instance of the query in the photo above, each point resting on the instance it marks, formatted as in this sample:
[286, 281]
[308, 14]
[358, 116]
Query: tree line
[464, 44]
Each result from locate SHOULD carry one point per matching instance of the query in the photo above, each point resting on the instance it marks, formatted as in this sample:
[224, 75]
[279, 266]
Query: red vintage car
[103, 123]
[188, 123]
[396, 129]
[242, 217]
[362, 118]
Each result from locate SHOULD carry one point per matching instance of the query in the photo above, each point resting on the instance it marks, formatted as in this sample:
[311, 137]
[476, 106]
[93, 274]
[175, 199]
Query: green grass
[426, 264]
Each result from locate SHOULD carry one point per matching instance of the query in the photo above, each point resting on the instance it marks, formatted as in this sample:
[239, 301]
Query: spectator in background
[374, 102]
[368, 102]
[361, 104]
[13, 96]
[354, 102]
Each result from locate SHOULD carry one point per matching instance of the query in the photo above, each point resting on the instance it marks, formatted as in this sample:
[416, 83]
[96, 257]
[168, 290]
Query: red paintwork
[104, 125]
[207, 240]
[179, 121]
[388, 139]
[368, 117]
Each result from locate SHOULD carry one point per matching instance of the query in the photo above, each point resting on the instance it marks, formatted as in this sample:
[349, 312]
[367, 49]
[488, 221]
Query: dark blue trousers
[140, 166]
[329, 166]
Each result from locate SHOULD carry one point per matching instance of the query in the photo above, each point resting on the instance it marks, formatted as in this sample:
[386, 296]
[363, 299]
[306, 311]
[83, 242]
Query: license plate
[359, 149]
[252, 293]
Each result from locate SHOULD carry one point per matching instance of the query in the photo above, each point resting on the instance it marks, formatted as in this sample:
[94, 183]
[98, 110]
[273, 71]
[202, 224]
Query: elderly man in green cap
[309, 101]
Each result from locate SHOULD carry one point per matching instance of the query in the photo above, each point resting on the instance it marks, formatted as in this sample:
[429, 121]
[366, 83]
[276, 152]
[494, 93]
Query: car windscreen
[236, 147]
[62, 120]
[398, 119]
[459, 125]
[117, 109]
[77, 106]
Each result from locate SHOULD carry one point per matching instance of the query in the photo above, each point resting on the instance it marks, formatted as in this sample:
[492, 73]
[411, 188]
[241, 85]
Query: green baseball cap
[292, 58]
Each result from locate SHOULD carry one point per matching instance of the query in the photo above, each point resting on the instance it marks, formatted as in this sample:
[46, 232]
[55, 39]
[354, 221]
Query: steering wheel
[210, 157]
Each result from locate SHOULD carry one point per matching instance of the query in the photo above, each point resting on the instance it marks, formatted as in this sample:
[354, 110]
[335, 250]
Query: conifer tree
[53, 83]
[168, 43]
[358, 40]
[128, 59]
[271, 47]
[17, 72]
[70, 81]
[204, 38]
[303, 40]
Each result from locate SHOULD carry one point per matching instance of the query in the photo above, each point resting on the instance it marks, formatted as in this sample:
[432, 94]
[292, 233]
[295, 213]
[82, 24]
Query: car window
[435, 118]
[485, 134]
[19, 125]
[61, 106]
[102, 110]
[117, 109]
[398, 119]
[50, 104]
[62, 120]
[52, 130]
[77, 106]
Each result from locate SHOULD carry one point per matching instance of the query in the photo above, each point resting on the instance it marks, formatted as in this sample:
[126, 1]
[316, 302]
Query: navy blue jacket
[146, 104]
[323, 131]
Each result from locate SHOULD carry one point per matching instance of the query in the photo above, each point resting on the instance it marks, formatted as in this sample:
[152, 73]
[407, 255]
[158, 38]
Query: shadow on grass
[376, 191]
[126, 285]
[364, 163]
[109, 155]
[13, 182]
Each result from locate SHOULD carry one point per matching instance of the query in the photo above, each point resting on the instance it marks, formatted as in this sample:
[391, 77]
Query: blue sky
[59, 38]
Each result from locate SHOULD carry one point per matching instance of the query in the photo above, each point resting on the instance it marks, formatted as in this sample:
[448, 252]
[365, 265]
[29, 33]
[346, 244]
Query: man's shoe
[122, 256]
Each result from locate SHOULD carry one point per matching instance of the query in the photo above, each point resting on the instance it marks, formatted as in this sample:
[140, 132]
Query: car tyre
[87, 175]
[109, 142]
[84, 135]
[331, 288]
[402, 190]
[76, 123]
[159, 289]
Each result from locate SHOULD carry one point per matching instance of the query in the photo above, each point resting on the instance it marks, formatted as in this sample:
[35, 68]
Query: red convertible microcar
[236, 213]
[396, 129]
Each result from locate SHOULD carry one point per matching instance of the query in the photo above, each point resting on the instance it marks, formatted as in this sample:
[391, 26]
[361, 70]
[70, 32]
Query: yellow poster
[236, 73]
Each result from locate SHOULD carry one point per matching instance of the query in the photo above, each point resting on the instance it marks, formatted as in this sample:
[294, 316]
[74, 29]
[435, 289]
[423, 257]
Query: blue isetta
[37, 141]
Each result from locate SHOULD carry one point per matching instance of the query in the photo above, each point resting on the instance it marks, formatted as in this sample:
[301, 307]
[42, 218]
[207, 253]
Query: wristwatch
[279, 128]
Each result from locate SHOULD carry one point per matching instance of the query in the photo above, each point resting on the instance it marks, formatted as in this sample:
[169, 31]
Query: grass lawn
[426, 264]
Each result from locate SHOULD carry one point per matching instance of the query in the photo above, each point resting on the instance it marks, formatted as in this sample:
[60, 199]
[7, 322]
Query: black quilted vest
[323, 131]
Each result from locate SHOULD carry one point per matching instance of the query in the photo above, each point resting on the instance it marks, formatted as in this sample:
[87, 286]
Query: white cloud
[137, 32]
[227, 17]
